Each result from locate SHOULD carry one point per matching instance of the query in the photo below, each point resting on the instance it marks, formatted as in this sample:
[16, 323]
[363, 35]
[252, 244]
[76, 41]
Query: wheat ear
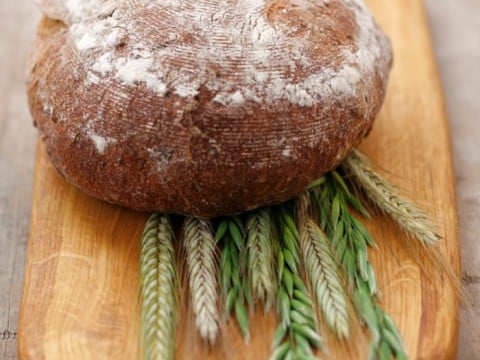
[261, 257]
[351, 240]
[233, 277]
[322, 269]
[202, 269]
[388, 199]
[158, 288]
[296, 336]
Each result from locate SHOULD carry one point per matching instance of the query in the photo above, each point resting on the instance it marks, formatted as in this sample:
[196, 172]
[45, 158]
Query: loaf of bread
[203, 107]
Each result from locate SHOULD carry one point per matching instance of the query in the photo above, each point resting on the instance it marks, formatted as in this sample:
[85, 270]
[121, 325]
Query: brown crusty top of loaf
[204, 109]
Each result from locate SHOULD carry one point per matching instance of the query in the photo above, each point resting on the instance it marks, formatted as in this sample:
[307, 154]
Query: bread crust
[203, 121]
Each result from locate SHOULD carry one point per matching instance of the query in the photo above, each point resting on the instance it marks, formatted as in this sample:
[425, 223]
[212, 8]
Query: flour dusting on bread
[204, 107]
[250, 39]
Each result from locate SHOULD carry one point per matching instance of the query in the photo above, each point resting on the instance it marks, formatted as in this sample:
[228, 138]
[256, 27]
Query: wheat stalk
[322, 270]
[260, 257]
[202, 269]
[388, 199]
[158, 288]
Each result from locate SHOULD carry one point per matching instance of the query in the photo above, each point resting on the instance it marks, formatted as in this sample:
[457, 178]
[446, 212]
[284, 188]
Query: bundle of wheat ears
[307, 258]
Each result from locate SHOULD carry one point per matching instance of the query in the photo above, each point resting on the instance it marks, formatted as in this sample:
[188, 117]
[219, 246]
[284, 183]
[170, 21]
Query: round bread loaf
[201, 107]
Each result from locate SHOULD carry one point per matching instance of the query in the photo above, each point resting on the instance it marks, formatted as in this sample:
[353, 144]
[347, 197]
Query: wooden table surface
[455, 29]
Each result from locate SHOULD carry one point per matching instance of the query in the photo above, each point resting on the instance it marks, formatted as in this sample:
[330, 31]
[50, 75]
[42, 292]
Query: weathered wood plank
[455, 25]
[17, 149]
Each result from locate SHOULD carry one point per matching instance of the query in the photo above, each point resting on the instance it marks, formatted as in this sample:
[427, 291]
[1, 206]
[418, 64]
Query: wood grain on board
[80, 298]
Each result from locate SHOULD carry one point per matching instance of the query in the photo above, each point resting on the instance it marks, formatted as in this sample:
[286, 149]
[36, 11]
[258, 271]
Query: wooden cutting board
[80, 297]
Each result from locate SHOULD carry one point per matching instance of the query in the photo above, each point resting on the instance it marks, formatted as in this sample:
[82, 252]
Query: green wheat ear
[351, 240]
[296, 336]
[261, 257]
[322, 269]
[233, 274]
[200, 246]
[388, 199]
[158, 288]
